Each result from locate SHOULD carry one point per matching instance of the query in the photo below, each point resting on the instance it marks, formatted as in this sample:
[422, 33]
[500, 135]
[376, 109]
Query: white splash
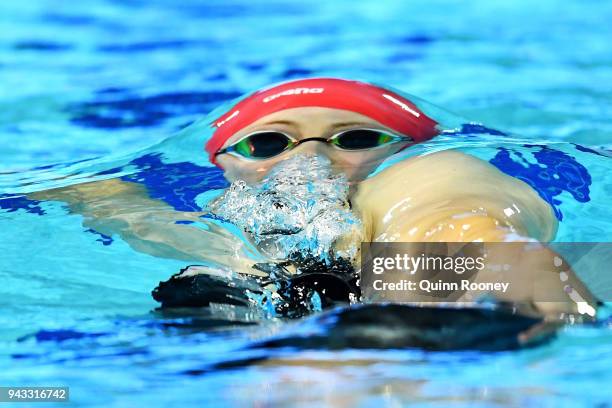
[300, 207]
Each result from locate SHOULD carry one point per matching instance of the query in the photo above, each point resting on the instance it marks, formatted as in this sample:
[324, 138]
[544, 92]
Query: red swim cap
[382, 105]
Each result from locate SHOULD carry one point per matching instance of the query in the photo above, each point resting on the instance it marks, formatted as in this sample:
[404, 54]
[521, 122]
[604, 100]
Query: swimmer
[440, 197]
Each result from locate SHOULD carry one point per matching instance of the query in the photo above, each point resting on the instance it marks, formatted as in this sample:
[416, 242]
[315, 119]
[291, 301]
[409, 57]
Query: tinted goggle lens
[264, 145]
[360, 139]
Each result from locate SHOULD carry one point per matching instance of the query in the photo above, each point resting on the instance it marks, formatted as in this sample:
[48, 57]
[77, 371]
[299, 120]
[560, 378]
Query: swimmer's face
[310, 122]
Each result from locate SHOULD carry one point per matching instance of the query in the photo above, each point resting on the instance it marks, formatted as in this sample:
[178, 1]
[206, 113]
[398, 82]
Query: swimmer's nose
[312, 147]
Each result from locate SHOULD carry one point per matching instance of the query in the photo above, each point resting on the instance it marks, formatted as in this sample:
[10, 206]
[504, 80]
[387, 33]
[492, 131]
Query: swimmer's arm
[123, 208]
[106, 200]
[541, 287]
[100, 198]
[453, 197]
[114, 207]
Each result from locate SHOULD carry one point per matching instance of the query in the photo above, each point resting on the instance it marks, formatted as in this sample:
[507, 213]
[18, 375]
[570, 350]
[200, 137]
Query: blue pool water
[90, 90]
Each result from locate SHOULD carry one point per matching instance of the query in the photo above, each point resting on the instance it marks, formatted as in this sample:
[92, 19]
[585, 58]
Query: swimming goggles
[265, 144]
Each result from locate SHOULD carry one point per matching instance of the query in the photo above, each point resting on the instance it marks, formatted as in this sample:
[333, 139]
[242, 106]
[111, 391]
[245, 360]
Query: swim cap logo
[222, 122]
[293, 91]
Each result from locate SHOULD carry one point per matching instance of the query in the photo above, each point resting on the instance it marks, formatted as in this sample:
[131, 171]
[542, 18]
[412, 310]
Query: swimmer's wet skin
[446, 196]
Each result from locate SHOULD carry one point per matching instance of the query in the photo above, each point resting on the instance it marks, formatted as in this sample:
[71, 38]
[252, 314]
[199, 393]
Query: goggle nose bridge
[312, 139]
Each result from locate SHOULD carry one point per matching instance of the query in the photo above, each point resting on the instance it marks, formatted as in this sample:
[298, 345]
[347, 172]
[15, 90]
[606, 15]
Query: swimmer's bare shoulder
[454, 197]
[451, 196]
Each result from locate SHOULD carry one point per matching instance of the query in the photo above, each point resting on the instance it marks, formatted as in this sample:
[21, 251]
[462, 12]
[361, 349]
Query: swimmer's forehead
[308, 122]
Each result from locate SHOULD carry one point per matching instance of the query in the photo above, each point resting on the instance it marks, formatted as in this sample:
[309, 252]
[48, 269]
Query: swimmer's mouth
[281, 231]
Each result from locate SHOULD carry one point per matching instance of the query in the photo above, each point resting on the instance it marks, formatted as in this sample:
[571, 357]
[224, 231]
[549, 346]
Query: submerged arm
[148, 225]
